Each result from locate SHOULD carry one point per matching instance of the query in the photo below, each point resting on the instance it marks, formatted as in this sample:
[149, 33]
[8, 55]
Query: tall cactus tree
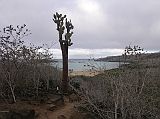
[64, 30]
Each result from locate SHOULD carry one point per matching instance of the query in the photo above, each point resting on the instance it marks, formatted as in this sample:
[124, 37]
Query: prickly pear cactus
[59, 20]
[64, 28]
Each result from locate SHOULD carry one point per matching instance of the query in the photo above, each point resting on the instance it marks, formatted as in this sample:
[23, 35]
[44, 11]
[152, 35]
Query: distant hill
[130, 58]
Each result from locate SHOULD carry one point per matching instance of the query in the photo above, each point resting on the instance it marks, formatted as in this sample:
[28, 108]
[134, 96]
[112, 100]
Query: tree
[133, 51]
[64, 43]
[11, 55]
[25, 70]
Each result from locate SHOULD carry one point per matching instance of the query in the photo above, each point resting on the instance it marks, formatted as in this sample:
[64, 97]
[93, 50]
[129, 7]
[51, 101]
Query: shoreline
[89, 73]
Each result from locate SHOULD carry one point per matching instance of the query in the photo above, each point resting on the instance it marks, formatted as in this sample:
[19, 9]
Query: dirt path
[65, 110]
[42, 110]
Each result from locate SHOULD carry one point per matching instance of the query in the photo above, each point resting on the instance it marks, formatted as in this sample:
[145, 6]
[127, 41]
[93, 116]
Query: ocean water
[85, 64]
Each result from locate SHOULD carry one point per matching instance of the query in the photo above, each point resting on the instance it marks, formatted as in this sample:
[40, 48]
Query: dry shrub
[128, 93]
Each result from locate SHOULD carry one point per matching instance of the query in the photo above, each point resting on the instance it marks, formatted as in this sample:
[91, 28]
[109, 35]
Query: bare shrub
[122, 94]
[25, 71]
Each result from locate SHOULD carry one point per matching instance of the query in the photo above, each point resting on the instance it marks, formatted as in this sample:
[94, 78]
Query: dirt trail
[42, 110]
[65, 110]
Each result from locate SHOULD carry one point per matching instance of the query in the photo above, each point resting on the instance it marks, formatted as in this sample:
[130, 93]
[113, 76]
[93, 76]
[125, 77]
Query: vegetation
[131, 54]
[25, 72]
[59, 20]
[129, 92]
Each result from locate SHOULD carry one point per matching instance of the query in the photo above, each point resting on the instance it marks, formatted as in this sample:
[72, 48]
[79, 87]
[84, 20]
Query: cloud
[104, 24]
[79, 53]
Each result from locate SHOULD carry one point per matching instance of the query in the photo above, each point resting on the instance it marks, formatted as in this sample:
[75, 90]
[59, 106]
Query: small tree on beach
[64, 43]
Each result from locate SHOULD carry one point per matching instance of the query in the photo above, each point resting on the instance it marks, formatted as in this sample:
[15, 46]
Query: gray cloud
[99, 24]
[78, 53]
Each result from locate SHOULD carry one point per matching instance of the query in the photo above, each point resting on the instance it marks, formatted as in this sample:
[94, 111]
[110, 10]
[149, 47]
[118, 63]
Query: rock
[49, 102]
[57, 100]
[51, 107]
[61, 117]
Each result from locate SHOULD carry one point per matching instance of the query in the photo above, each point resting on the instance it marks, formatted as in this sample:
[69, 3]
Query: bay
[86, 64]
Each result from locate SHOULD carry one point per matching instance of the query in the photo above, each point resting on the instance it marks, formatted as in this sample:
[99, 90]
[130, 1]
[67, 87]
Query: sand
[84, 73]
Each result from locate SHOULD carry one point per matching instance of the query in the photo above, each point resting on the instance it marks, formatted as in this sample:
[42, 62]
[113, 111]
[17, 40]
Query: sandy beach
[84, 73]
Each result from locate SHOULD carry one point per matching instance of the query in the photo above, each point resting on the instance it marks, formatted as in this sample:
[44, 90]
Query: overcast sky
[101, 27]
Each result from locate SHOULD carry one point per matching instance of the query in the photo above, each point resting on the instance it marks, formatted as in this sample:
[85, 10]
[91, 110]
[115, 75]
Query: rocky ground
[53, 108]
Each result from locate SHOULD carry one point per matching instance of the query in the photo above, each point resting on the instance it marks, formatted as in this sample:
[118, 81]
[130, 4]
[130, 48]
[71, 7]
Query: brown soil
[65, 111]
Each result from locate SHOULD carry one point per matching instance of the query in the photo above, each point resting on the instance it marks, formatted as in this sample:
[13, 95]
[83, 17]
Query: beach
[84, 73]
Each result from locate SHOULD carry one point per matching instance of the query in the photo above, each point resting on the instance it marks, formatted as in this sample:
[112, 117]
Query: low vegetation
[129, 92]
